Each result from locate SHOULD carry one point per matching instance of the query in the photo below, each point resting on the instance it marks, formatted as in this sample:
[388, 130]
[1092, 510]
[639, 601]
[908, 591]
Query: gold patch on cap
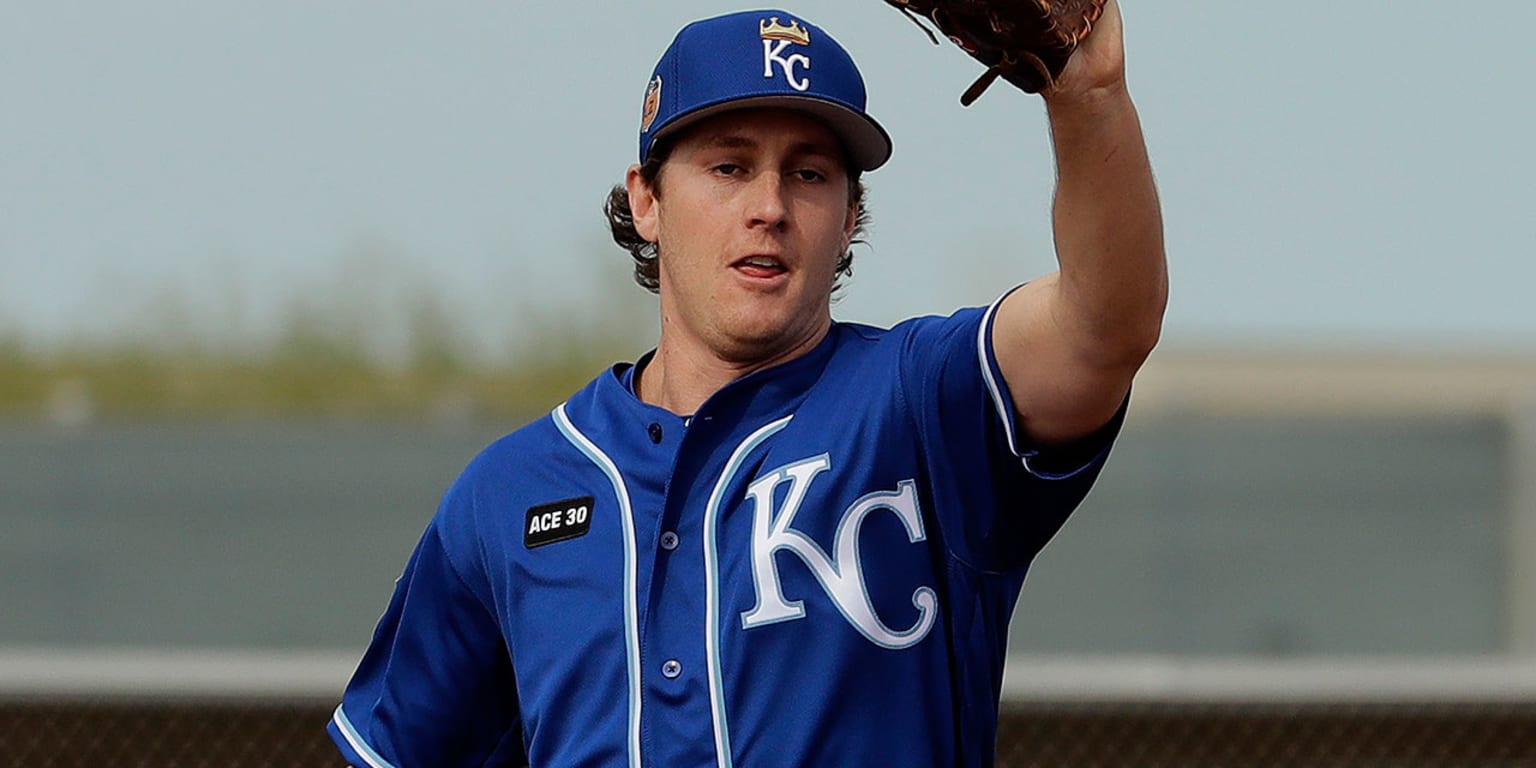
[652, 104]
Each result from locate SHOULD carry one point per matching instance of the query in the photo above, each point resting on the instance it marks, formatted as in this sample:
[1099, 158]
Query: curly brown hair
[621, 221]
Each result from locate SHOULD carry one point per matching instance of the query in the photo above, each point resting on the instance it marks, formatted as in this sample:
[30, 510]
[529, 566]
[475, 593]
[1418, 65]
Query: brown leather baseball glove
[1026, 42]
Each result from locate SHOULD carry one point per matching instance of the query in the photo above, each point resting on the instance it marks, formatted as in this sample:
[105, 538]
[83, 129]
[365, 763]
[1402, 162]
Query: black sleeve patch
[557, 521]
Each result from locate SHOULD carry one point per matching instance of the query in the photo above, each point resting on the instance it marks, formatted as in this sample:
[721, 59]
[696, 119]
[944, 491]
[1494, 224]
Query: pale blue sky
[1372, 184]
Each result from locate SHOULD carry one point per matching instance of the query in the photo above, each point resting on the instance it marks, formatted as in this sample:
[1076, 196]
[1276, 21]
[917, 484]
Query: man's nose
[766, 205]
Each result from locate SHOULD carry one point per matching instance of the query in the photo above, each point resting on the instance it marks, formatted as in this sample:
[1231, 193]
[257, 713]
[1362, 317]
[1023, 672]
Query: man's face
[753, 213]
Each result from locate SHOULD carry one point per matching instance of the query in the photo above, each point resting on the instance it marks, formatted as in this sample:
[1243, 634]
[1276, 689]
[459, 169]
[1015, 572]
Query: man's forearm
[1108, 227]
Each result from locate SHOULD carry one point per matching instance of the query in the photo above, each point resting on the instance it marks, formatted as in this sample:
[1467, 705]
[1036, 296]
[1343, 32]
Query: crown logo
[771, 29]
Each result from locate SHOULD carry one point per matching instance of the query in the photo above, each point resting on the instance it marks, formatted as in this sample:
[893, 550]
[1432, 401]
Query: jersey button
[671, 668]
[654, 430]
[668, 541]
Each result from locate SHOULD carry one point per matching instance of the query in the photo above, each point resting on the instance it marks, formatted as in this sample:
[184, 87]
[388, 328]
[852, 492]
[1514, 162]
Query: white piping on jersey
[626, 518]
[1004, 409]
[356, 740]
[712, 588]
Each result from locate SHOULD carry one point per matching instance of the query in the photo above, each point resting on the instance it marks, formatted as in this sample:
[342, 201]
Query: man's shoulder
[530, 438]
[528, 445]
[513, 471]
[868, 359]
[858, 337]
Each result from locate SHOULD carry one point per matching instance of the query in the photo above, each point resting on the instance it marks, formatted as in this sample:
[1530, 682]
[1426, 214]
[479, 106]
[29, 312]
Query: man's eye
[809, 174]
[727, 169]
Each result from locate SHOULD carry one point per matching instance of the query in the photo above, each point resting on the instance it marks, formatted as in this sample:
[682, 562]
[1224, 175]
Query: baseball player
[776, 539]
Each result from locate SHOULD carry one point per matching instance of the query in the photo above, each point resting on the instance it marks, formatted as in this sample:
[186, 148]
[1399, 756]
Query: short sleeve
[999, 495]
[435, 686]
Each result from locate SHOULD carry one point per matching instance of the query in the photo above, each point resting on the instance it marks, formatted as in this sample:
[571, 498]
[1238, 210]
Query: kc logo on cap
[776, 38]
[760, 59]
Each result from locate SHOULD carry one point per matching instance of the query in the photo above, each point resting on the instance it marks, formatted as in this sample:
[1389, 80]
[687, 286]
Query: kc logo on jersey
[778, 37]
[840, 573]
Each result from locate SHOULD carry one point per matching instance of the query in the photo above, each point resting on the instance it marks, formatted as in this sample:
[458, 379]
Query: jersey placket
[676, 721]
[685, 720]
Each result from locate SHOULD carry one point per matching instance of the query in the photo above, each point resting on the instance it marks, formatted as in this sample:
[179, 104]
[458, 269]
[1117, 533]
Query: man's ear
[642, 203]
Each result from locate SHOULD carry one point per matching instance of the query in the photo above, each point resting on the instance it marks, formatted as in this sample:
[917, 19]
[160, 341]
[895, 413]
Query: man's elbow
[1128, 347]
[1123, 340]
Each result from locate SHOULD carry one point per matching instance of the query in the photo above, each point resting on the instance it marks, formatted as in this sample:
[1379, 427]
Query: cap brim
[869, 146]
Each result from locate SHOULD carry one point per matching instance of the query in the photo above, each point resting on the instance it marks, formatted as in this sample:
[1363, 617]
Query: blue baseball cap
[761, 59]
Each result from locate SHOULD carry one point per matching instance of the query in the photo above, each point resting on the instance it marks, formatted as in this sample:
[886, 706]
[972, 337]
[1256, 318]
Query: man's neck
[680, 377]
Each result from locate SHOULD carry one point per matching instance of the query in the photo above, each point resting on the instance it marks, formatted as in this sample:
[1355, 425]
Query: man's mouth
[760, 266]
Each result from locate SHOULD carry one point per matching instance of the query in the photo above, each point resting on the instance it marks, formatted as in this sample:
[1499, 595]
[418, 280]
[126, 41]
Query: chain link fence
[165, 734]
[291, 734]
[1269, 736]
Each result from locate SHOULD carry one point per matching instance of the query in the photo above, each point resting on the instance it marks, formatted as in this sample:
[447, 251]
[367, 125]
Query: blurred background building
[1282, 507]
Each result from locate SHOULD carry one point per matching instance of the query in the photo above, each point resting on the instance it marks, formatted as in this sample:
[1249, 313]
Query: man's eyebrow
[829, 151]
[730, 141]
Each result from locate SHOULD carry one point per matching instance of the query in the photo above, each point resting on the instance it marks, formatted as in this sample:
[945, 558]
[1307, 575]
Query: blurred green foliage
[307, 373]
[372, 339]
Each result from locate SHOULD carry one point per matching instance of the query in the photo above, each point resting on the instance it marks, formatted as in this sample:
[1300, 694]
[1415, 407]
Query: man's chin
[763, 338]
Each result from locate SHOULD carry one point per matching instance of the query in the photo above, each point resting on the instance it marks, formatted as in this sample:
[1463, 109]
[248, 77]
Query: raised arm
[1069, 343]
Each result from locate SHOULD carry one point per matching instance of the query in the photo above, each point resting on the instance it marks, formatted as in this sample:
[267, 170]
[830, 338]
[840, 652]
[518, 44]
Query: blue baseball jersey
[816, 568]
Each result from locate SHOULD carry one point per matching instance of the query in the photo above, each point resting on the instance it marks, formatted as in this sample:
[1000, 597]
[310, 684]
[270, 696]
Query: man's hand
[1098, 65]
